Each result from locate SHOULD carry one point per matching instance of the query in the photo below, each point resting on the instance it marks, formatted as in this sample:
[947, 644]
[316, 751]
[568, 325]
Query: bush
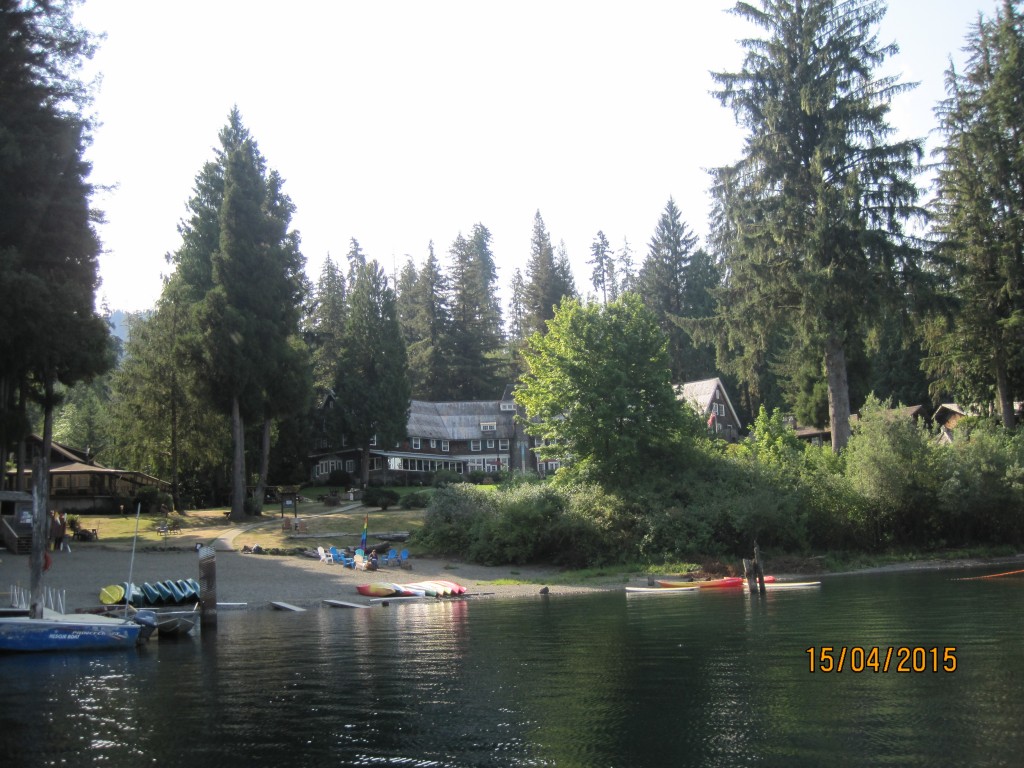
[415, 500]
[380, 497]
[339, 478]
[454, 516]
[445, 477]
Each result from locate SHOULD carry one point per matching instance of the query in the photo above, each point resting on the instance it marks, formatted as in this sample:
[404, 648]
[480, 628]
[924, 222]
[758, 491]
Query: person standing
[65, 544]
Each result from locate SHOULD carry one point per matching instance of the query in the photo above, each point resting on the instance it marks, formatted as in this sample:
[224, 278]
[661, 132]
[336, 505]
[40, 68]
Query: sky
[400, 123]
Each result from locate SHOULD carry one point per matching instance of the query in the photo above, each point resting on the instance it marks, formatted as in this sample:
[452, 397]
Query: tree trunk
[41, 510]
[1003, 395]
[838, 393]
[364, 467]
[238, 465]
[261, 485]
[175, 490]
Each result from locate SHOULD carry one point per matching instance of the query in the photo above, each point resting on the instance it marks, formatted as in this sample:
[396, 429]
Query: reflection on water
[605, 680]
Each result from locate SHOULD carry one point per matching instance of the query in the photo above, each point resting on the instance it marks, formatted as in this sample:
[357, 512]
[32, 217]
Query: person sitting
[372, 564]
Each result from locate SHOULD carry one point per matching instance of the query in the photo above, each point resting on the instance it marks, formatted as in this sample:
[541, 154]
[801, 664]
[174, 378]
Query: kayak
[456, 589]
[662, 590]
[377, 589]
[773, 585]
[112, 594]
[729, 582]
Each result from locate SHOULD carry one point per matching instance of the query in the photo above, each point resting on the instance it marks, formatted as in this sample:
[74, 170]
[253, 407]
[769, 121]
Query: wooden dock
[285, 606]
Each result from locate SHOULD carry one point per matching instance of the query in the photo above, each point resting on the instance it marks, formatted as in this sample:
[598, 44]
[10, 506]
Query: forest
[835, 286]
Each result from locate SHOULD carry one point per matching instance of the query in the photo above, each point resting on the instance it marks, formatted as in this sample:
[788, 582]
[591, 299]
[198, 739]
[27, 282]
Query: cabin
[711, 401]
[78, 483]
[16, 521]
[461, 437]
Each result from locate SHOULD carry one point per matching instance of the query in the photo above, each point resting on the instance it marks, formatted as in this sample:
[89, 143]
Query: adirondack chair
[325, 557]
[392, 557]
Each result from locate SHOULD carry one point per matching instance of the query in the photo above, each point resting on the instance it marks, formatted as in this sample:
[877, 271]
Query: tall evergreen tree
[814, 210]
[474, 340]
[425, 325]
[372, 385]
[602, 277]
[326, 323]
[980, 216]
[548, 278]
[662, 284]
[240, 267]
[53, 336]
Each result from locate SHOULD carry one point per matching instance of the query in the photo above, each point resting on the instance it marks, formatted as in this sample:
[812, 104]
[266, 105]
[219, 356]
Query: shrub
[454, 516]
[339, 478]
[380, 497]
[415, 500]
[445, 477]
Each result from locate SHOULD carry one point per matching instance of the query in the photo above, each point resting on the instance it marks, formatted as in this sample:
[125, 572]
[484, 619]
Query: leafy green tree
[372, 385]
[597, 391]
[813, 213]
[979, 216]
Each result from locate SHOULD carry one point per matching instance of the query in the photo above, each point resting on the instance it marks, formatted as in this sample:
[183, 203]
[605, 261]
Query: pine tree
[474, 340]
[603, 275]
[979, 206]
[326, 324]
[662, 284]
[548, 278]
[372, 385]
[425, 325]
[813, 213]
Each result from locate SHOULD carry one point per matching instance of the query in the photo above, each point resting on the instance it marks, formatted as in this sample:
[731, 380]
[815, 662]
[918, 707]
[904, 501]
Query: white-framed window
[507, 406]
[488, 426]
[373, 441]
[444, 446]
[415, 443]
[474, 445]
[503, 444]
[350, 466]
[433, 443]
[490, 445]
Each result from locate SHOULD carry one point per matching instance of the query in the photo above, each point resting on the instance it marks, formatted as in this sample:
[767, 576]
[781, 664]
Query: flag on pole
[366, 523]
[711, 420]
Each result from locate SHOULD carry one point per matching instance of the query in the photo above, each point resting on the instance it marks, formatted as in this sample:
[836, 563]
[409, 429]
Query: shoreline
[257, 580]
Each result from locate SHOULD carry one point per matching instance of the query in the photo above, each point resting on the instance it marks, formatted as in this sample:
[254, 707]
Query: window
[415, 443]
[488, 426]
[433, 443]
[490, 445]
[373, 441]
[444, 446]
[507, 406]
[503, 445]
[474, 445]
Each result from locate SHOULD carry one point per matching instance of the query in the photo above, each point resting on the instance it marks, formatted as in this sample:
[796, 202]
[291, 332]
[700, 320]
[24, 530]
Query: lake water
[596, 680]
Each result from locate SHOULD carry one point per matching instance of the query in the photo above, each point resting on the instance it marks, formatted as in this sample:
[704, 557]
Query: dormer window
[506, 406]
[488, 426]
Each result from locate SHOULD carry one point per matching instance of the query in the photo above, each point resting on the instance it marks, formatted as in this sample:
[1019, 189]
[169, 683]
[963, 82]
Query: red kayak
[377, 589]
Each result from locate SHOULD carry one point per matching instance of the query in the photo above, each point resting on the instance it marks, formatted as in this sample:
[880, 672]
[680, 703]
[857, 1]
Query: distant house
[78, 483]
[823, 436]
[711, 401]
[460, 437]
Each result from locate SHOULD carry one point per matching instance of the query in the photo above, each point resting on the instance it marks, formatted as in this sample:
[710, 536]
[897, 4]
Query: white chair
[325, 557]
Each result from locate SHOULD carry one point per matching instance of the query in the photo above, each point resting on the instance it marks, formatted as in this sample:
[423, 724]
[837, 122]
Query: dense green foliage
[895, 487]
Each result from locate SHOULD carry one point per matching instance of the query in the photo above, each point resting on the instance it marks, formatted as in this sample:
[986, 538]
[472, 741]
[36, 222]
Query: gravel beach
[259, 579]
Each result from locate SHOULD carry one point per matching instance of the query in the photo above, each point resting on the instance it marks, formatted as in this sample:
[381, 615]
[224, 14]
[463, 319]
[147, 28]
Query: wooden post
[758, 570]
[748, 574]
[207, 586]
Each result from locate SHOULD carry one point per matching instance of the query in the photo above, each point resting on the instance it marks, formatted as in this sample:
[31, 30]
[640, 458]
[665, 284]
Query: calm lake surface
[597, 680]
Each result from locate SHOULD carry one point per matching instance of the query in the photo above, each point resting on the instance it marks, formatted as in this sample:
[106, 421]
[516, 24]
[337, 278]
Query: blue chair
[392, 557]
[405, 559]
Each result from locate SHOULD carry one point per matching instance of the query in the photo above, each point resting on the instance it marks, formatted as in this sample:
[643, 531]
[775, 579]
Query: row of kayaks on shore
[668, 587]
[169, 592]
[415, 589]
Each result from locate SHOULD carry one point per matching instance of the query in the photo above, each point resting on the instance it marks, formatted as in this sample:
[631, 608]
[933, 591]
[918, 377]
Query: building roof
[459, 420]
[701, 394]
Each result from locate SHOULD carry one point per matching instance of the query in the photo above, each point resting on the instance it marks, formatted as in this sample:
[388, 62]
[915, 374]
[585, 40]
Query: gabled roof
[458, 420]
[701, 394]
